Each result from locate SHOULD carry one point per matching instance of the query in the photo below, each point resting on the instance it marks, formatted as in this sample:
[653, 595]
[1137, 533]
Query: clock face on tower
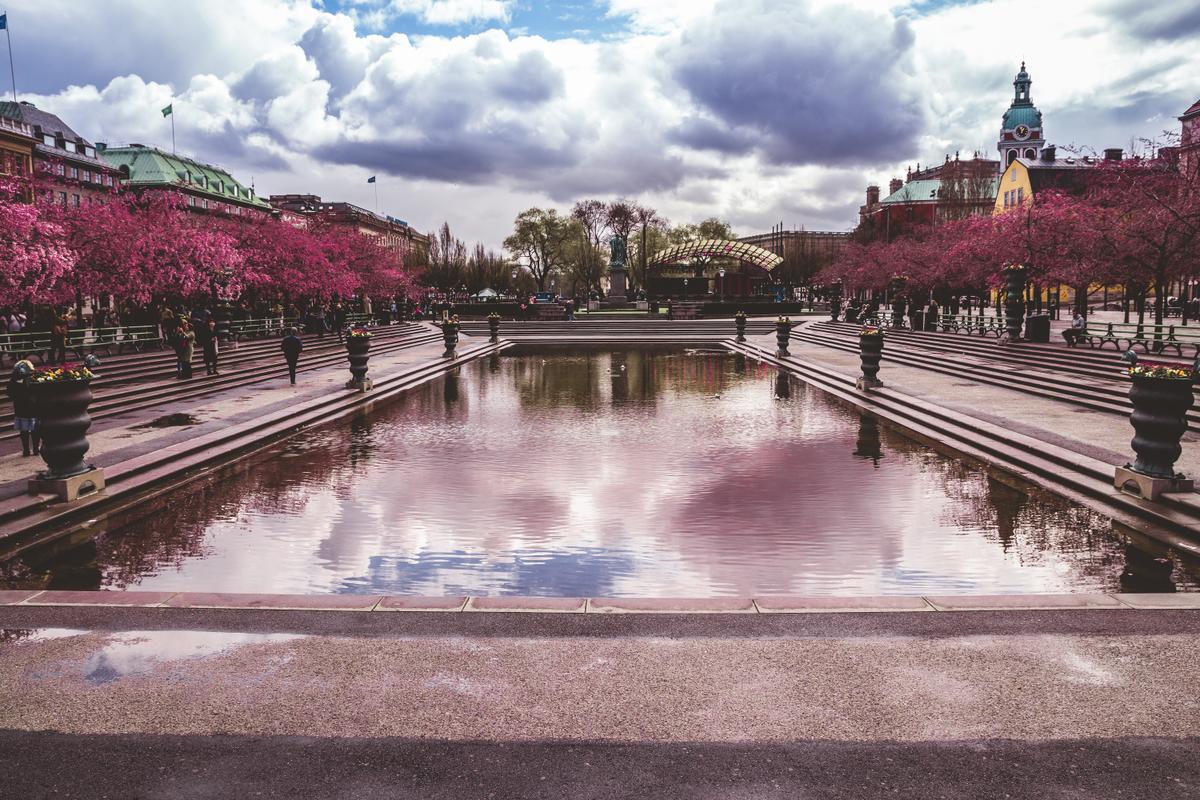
[1021, 132]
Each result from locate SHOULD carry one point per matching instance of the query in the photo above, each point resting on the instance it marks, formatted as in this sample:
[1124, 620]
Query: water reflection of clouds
[689, 479]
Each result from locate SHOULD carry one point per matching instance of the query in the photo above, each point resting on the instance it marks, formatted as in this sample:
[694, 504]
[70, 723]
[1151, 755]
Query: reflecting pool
[607, 472]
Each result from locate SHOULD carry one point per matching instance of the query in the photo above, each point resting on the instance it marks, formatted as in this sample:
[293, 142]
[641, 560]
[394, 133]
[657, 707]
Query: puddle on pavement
[170, 421]
[128, 653]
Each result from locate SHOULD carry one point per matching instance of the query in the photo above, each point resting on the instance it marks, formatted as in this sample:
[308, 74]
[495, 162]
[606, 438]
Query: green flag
[168, 111]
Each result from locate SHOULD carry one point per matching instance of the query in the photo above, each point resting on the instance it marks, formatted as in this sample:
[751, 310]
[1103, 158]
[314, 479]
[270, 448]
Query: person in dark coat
[20, 391]
[185, 346]
[292, 346]
[206, 337]
[339, 320]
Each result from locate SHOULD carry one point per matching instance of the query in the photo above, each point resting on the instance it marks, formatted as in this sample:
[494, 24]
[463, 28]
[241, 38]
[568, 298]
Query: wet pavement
[1081, 703]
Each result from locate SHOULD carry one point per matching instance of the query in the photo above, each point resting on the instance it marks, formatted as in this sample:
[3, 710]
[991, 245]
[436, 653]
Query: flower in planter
[63, 374]
[870, 330]
[1154, 369]
[360, 333]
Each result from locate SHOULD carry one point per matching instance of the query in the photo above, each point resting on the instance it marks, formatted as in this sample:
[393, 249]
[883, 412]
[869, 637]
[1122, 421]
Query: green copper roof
[150, 167]
[1022, 115]
[915, 191]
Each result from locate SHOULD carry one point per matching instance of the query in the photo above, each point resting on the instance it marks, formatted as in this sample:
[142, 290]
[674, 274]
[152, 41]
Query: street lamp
[721, 287]
[685, 290]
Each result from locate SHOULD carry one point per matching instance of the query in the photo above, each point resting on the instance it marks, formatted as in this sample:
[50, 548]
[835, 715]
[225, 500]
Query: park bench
[257, 328]
[976, 323]
[1151, 338]
[138, 337]
[25, 345]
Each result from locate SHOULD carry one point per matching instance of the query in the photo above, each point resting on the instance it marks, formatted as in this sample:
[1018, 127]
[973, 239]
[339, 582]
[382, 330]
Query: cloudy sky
[757, 111]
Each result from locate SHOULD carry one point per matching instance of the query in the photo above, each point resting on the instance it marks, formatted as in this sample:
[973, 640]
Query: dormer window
[48, 139]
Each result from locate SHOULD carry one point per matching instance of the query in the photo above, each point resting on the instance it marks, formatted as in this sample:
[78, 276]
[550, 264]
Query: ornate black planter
[1159, 419]
[358, 351]
[739, 319]
[835, 302]
[1014, 302]
[870, 351]
[450, 336]
[494, 325]
[783, 332]
[224, 318]
[63, 420]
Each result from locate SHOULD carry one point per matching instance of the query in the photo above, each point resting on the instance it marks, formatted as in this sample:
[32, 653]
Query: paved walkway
[1093, 433]
[118, 438]
[1034, 704]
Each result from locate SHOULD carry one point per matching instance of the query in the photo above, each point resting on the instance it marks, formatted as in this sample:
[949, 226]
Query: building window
[75, 173]
[1006, 199]
[60, 169]
[1020, 195]
[75, 200]
[87, 176]
[62, 198]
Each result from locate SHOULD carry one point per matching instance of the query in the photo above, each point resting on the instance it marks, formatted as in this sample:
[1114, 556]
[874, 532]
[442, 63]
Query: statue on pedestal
[616, 269]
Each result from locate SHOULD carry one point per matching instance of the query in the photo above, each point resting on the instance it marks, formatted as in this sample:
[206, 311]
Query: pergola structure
[717, 248]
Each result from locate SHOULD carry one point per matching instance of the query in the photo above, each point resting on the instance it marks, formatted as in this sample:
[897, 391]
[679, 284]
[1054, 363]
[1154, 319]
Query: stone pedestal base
[69, 489]
[1148, 488]
[364, 385]
[866, 384]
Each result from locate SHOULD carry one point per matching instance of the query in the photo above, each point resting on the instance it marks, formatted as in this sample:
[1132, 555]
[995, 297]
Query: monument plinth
[618, 275]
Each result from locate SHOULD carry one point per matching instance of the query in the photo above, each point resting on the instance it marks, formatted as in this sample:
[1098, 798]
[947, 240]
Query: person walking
[20, 391]
[185, 348]
[58, 340]
[209, 345]
[292, 346]
[339, 320]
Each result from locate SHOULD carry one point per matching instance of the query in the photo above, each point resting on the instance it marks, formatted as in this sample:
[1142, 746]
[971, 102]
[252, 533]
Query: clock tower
[1021, 129]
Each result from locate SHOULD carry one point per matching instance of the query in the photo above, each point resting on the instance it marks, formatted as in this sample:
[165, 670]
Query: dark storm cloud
[1157, 20]
[826, 86]
[699, 133]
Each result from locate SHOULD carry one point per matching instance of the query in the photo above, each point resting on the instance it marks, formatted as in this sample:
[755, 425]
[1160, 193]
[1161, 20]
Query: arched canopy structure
[717, 248]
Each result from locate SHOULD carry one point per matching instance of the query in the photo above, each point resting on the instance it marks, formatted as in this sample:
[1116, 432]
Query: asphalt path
[49, 765]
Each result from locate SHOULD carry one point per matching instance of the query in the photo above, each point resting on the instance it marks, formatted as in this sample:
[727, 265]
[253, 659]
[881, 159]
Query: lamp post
[721, 287]
[685, 290]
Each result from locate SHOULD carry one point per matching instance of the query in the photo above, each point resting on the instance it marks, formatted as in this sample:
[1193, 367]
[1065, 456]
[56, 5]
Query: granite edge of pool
[765, 604]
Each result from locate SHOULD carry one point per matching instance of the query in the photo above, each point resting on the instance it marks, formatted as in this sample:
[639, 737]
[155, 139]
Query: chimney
[872, 196]
[1048, 153]
[895, 185]
[1113, 154]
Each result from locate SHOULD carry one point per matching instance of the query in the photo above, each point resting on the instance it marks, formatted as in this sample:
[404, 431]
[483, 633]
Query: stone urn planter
[1014, 301]
[62, 406]
[835, 302]
[450, 335]
[870, 351]
[358, 352]
[783, 332]
[739, 320]
[1161, 396]
[494, 325]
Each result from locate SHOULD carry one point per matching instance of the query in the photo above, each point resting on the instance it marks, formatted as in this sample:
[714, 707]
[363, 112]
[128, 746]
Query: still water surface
[605, 472]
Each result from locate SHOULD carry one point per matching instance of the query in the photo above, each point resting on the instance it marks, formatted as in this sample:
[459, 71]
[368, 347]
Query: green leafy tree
[539, 241]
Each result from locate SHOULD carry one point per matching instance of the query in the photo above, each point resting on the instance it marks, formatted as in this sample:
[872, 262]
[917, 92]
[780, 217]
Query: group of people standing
[184, 334]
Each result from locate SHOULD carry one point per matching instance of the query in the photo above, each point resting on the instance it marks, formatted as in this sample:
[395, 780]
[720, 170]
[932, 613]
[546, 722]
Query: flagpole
[377, 196]
[172, 130]
[11, 69]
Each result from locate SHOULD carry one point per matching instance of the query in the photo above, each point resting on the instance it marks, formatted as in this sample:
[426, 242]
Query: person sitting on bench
[1078, 326]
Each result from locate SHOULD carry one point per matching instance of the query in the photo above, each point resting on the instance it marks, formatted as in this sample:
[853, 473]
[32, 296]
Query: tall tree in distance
[447, 262]
[539, 240]
[592, 216]
[651, 231]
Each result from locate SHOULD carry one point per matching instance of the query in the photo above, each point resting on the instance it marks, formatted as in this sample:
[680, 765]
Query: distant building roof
[915, 191]
[150, 167]
[1193, 111]
[1056, 173]
[50, 132]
